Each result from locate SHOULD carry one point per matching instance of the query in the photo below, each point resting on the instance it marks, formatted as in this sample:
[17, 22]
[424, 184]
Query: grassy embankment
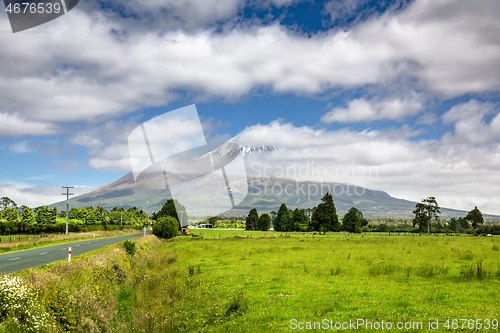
[260, 284]
[32, 242]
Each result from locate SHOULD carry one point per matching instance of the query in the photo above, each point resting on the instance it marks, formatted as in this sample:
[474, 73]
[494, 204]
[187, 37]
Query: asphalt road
[21, 260]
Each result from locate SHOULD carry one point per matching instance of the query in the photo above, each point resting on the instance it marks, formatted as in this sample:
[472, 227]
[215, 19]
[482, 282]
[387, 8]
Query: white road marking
[43, 253]
[77, 245]
[14, 258]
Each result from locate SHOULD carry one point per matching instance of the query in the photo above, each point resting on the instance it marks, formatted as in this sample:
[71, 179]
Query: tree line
[14, 219]
[428, 210]
[322, 218]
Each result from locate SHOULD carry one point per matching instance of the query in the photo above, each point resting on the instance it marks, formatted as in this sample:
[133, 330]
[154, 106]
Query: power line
[18, 176]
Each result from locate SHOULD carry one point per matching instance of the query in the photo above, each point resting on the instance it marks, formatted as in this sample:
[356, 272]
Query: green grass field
[276, 284]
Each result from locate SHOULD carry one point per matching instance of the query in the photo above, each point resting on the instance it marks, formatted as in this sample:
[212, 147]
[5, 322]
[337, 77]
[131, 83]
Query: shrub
[130, 247]
[20, 304]
[60, 306]
[166, 227]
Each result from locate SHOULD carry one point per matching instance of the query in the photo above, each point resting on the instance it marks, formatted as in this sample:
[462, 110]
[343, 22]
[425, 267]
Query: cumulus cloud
[405, 168]
[470, 125]
[363, 110]
[448, 48]
[427, 118]
[90, 66]
[14, 125]
[188, 15]
[107, 144]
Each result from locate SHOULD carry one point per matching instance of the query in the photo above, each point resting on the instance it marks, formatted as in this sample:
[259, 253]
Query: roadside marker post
[69, 255]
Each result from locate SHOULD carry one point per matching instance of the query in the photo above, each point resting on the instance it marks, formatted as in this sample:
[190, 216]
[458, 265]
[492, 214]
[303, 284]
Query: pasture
[235, 284]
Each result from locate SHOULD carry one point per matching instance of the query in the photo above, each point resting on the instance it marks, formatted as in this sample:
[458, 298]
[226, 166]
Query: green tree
[166, 227]
[27, 215]
[424, 212]
[299, 221]
[282, 218]
[453, 224]
[252, 219]
[273, 215]
[6, 202]
[463, 223]
[325, 216]
[77, 214]
[475, 218]
[43, 215]
[89, 215]
[264, 222]
[10, 214]
[53, 215]
[174, 209]
[353, 220]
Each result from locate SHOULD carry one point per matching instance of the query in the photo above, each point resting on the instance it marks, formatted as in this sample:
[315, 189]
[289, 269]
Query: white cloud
[444, 43]
[13, 125]
[469, 123]
[458, 175]
[37, 195]
[342, 11]
[359, 110]
[427, 118]
[89, 66]
[107, 144]
[172, 14]
[22, 147]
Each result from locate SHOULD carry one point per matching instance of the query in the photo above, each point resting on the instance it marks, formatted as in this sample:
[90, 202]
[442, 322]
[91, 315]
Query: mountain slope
[265, 194]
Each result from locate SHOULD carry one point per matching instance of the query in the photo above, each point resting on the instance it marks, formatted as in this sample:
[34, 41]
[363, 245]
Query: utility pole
[67, 194]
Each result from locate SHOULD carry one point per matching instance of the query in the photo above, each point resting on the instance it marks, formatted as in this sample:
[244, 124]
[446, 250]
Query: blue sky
[408, 90]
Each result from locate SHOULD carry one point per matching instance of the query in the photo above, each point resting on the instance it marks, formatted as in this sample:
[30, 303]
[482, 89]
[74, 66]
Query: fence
[18, 238]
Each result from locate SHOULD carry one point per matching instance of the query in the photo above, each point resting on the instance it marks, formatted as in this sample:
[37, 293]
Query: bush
[166, 227]
[20, 304]
[130, 247]
[60, 306]
[489, 229]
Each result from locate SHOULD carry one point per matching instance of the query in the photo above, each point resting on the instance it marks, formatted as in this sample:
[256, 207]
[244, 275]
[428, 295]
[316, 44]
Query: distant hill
[265, 194]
